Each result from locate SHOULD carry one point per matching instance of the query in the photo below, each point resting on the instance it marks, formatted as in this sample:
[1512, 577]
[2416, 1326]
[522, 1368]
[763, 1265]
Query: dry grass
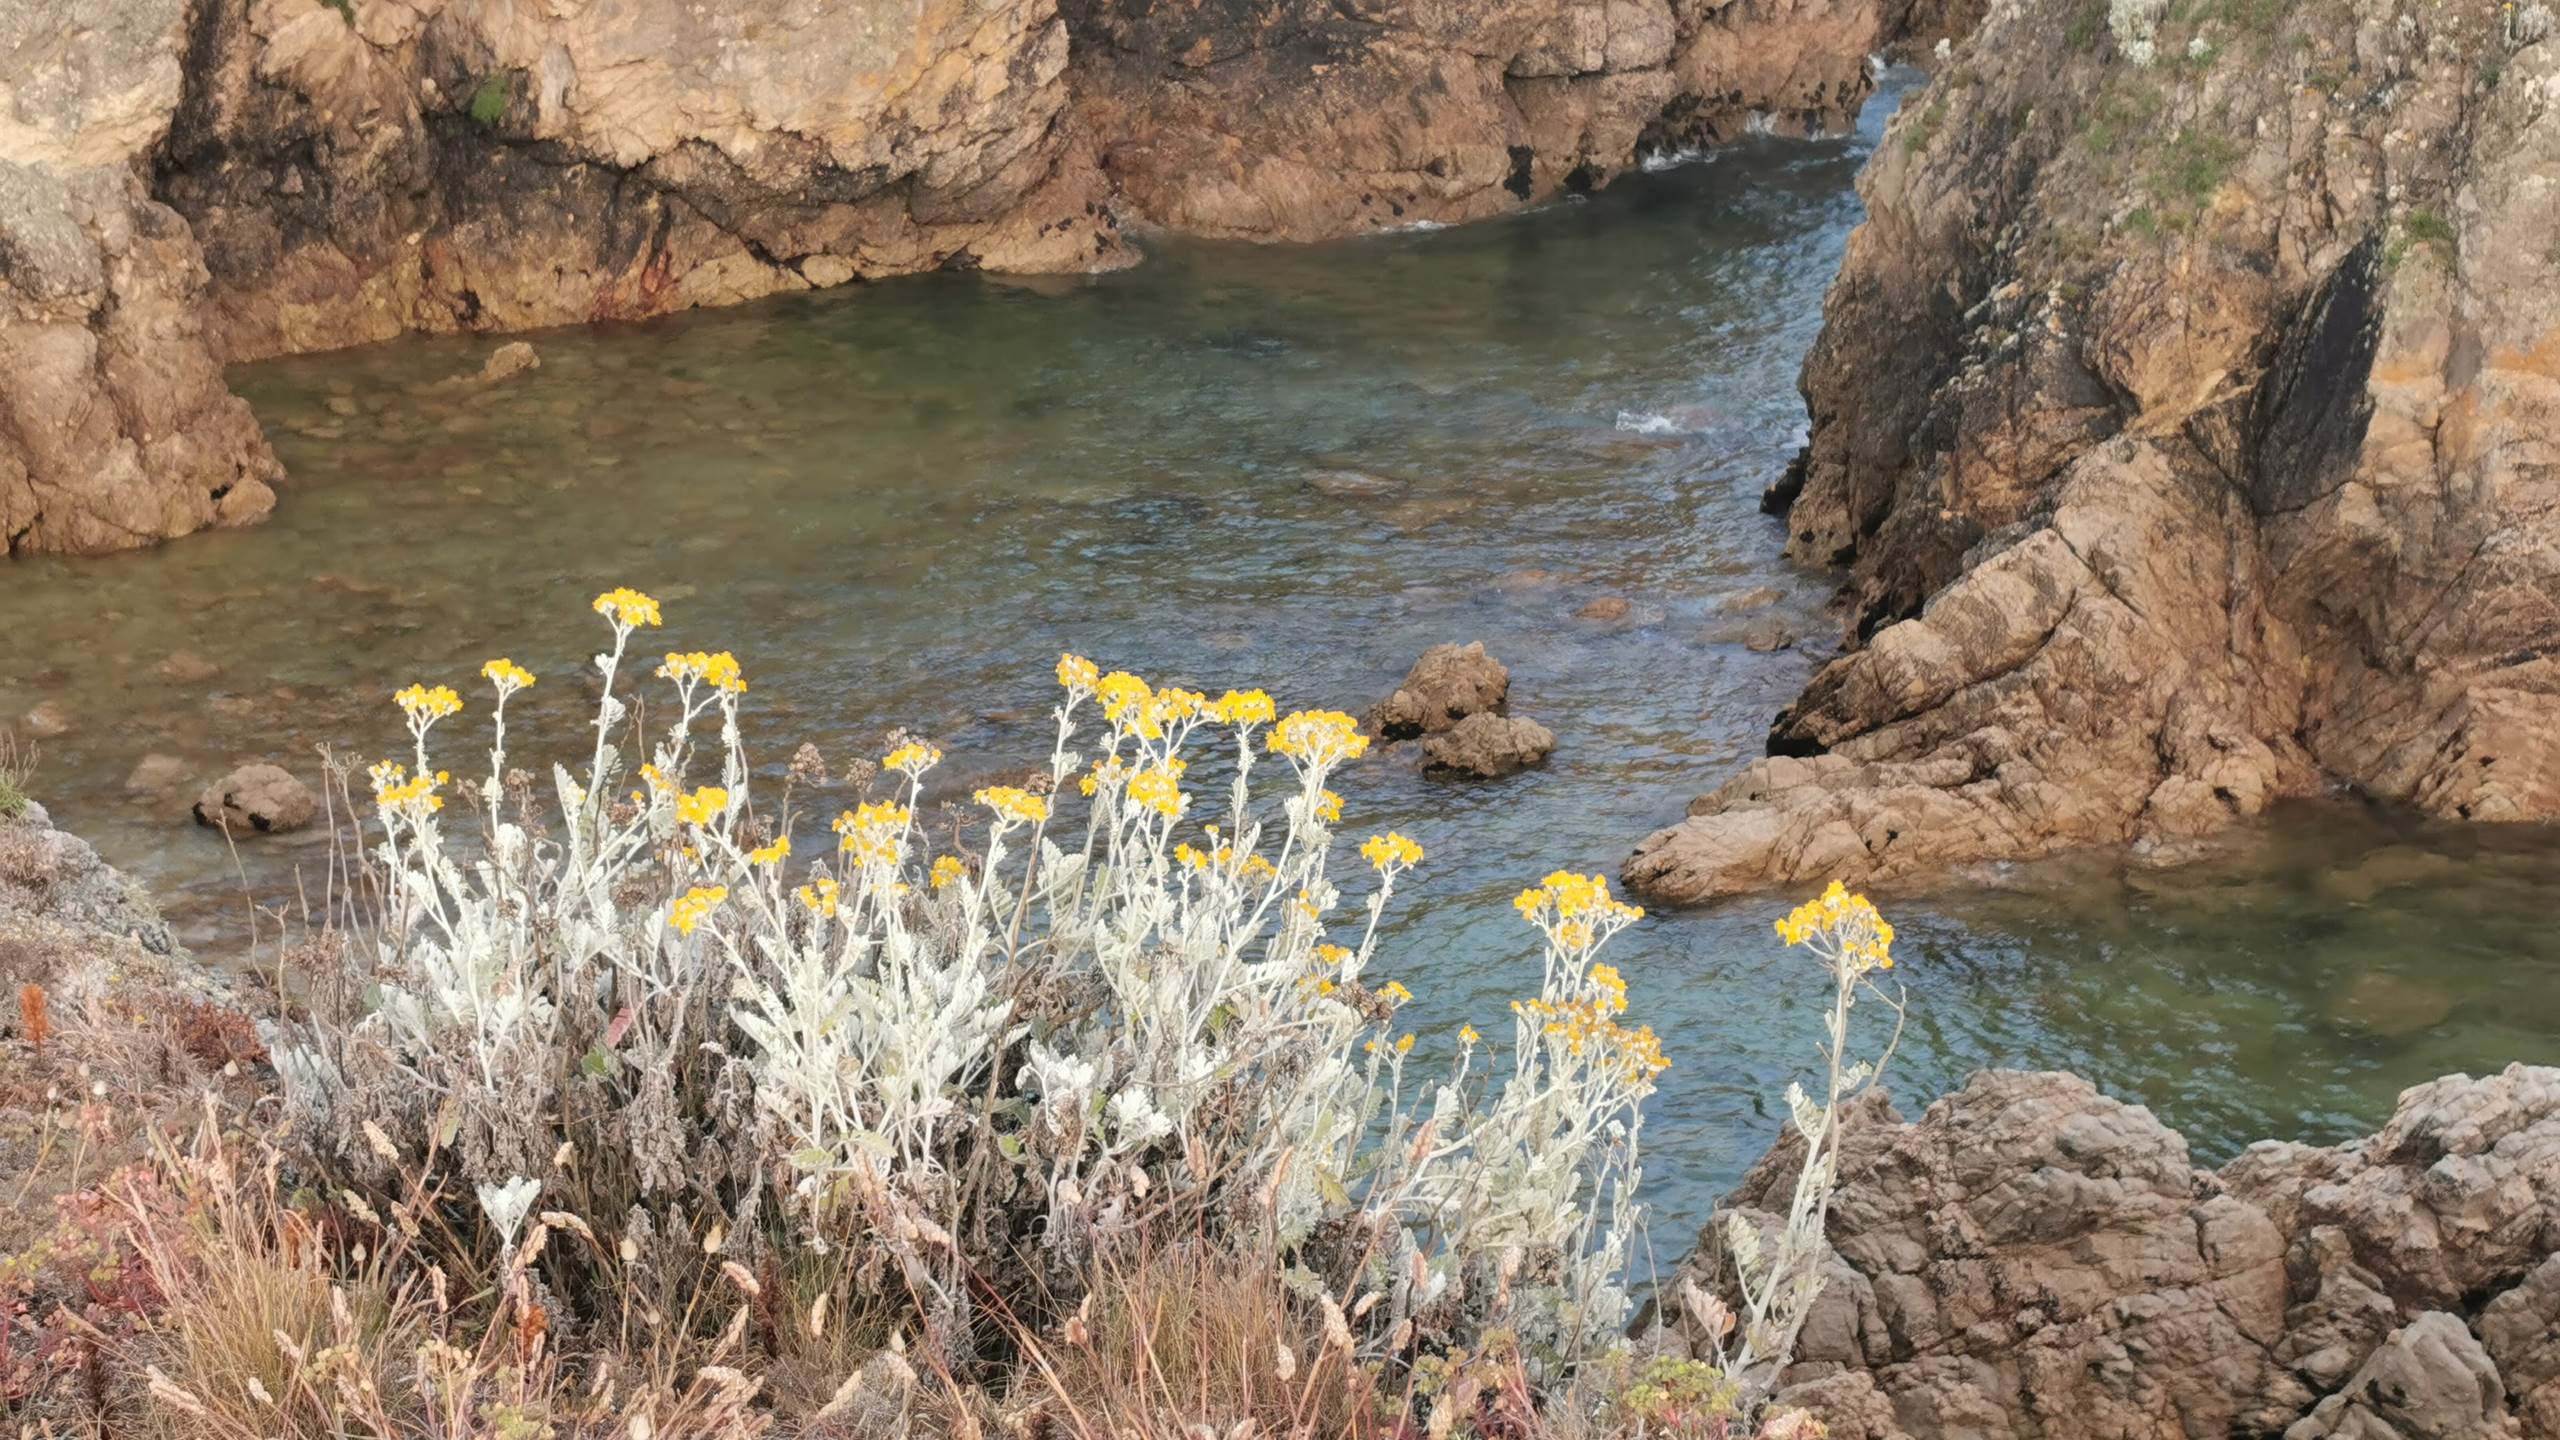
[17, 773]
[1197, 1336]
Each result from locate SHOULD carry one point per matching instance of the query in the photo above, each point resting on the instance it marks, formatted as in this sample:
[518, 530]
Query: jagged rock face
[1302, 119]
[348, 170]
[2192, 432]
[2035, 1261]
[115, 426]
[477, 165]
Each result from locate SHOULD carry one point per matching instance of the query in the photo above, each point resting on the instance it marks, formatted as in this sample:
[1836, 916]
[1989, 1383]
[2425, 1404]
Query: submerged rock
[1448, 684]
[2034, 1260]
[256, 799]
[1488, 746]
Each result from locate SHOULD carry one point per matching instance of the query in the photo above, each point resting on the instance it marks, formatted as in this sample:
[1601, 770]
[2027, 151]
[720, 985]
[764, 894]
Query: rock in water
[513, 358]
[256, 799]
[1488, 746]
[1448, 684]
[156, 775]
[1354, 485]
[1607, 607]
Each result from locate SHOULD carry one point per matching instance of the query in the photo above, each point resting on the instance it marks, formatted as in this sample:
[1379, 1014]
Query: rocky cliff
[303, 174]
[115, 426]
[2031, 1260]
[2187, 412]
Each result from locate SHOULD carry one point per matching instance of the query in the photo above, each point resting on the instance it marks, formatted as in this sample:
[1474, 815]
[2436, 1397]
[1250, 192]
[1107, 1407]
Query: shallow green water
[898, 503]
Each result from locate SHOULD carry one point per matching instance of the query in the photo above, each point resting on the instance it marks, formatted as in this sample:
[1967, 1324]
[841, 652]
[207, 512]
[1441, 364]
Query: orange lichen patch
[2541, 358]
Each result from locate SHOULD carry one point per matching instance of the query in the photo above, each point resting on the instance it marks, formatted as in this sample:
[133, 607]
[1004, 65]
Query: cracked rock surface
[190, 183]
[2033, 1260]
[2191, 434]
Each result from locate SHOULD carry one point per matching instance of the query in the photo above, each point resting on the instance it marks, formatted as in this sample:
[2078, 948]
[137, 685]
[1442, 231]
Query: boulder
[1448, 684]
[2429, 1381]
[256, 799]
[2033, 1260]
[1488, 746]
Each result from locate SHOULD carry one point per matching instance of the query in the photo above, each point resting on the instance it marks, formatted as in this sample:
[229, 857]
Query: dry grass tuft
[1197, 1339]
[17, 773]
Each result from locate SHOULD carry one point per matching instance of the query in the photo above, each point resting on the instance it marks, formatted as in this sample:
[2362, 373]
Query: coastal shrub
[2134, 24]
[934, 1075]
[661, 1051]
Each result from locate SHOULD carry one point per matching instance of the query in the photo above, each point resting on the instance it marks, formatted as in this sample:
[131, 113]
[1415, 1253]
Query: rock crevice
[2188, 431]
[2035, 1261]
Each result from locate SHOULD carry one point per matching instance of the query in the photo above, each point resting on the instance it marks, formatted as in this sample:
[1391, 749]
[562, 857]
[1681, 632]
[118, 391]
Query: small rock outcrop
[1488, 746]
[2185, 414]
[52, 883]
[1448, 684]
[256, 799]
[2033, 1260]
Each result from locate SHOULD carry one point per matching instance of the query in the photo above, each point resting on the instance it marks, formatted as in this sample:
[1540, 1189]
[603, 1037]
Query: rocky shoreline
[2029, 1259]
[186, 184]
[2035, 1261]
[2187, 416]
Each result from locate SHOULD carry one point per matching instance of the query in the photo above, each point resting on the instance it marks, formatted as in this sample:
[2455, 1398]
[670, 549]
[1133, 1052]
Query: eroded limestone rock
[256, 799]
[1448, 684]
[2033, 1260]
[2164, 502]
[1488, 746]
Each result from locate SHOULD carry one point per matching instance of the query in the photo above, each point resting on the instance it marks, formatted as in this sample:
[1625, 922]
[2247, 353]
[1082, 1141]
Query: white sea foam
[1647, 423]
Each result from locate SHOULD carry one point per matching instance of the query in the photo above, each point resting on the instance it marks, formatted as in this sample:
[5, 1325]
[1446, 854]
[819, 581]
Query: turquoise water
[1286, 467]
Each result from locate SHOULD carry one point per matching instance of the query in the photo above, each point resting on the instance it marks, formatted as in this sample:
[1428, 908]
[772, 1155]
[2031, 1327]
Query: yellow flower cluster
[1318, 737]
[426, 705]
[1109, 770]
[627, 606]
[703, 806]
[1391, 851]
[1841, 925]
[1158, 790]
[1328, 807]
[1252, 867]
[1077, 673]
[946, 869]
[913, 758]
[820, 895]
[1243, 707]
[1568, 896]
[1589, 1026]
[394, 790]
[1013, 804]
[871, 831]
[718, 669]
[772, 854]
[507, 675]
[693, 905]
